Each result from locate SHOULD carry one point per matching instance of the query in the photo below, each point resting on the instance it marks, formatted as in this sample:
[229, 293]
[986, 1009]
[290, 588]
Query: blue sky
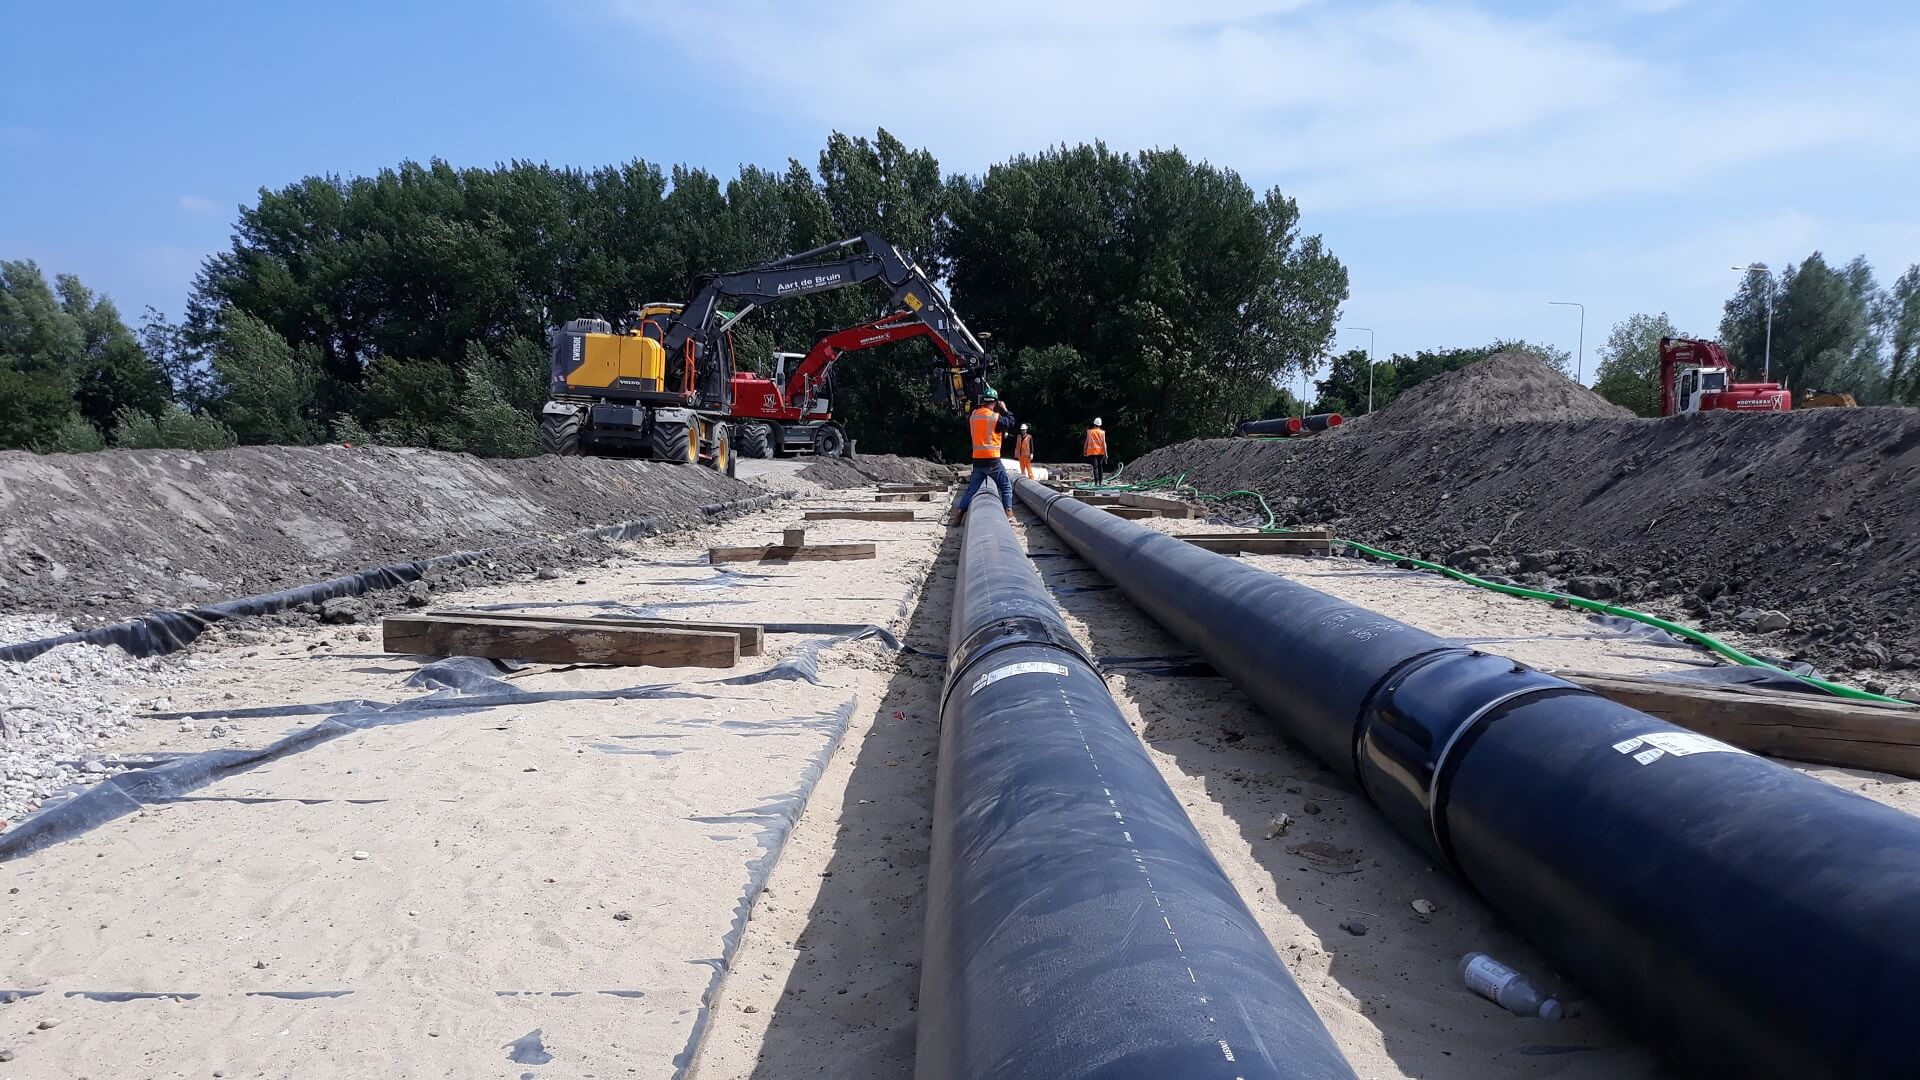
[1468, 161]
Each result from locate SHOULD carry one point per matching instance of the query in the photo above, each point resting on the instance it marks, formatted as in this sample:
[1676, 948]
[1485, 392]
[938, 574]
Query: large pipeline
[1751, 921]
[1077, 926]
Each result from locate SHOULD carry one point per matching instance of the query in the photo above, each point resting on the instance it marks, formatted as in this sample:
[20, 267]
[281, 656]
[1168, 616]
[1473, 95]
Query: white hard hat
[1096, 421]
[1023, 427]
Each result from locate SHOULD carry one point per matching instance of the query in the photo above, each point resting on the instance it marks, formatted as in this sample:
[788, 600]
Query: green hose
[1685, 633]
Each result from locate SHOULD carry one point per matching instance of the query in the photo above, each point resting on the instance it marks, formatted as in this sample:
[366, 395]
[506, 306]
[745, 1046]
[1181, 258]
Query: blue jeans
[982, 470]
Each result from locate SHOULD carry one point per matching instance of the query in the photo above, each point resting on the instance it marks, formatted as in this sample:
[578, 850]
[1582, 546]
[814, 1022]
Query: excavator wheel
[718, 450]
[677, 443]
[756, 440]
[829, 441]
[560, 434]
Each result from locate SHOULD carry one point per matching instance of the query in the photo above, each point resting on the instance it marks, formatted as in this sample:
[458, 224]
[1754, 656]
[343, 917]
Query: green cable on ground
[1685, 633]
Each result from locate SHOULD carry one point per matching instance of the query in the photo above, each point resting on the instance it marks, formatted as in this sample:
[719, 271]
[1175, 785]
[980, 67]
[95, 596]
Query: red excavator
[793, 410]
[1695, 377]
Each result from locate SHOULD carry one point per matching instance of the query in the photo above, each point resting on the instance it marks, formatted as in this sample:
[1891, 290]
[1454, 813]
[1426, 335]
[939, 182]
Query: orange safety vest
[985, 424]
[1096, 442]
[1023, 447]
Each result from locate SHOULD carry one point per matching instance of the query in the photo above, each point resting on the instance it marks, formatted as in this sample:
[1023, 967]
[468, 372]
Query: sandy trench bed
[501, 845]
[545, 887]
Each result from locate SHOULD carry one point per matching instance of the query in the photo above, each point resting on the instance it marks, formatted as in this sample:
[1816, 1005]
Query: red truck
[1695, 377]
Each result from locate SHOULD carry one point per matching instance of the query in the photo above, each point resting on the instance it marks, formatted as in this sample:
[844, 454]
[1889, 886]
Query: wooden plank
[1292, 534]
[1804, 727]
[909, 488]
[1131, 511]
[906, 496]
[1171, 508]
[778, 552]
[552, 641]
[858, 515]
[1256, 544]
[752, 635]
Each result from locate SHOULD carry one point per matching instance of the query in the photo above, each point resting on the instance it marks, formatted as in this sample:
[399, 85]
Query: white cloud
[1398, 105]
[196, 204]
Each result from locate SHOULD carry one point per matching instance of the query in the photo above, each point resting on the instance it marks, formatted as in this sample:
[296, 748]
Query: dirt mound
[869, 469]
[1708, 518]
[1505, 388]
[121, 532]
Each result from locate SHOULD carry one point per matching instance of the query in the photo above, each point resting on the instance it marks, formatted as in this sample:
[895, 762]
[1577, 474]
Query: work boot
[1010, 520]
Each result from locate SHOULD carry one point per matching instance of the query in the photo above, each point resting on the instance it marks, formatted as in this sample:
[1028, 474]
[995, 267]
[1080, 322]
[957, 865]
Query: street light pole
[1766, 371]
[1580, 363]
[1369, 331]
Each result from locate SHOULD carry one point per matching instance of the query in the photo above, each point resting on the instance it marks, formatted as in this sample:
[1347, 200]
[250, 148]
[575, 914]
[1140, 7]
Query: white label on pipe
[1649, 748]
[1031, 668]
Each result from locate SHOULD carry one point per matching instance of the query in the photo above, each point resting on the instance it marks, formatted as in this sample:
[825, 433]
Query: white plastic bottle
[1499, 983]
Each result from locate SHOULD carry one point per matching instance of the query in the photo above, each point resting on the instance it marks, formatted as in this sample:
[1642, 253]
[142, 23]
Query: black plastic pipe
[1077, 926]
[1748, 919]
[1291, 425]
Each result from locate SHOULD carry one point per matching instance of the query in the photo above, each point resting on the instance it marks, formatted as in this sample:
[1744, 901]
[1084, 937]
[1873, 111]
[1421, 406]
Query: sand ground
[502, 844]
[419, 899]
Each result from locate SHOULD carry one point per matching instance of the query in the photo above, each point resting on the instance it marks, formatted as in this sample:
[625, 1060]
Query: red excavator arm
[796, 397]
[899, 326]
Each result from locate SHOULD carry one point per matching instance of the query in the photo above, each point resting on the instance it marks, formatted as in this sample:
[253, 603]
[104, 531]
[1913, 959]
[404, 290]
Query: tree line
[413, 306]
[1164, 294]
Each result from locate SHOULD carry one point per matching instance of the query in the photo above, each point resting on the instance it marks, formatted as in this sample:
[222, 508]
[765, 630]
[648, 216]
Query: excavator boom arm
[899, 326]
[691, 332]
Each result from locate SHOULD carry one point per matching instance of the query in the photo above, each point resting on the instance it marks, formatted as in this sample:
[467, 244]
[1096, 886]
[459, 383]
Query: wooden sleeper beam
[553, 641]
[752, 635]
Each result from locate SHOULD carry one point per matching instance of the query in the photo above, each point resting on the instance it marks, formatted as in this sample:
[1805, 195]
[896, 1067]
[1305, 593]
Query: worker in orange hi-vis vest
[1023, 449]
[1096, 451]
[986, 424]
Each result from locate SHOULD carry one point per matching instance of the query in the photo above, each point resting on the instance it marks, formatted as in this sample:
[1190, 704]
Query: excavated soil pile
[1797, 533]
[1508, 387]
[869, 469]
[101, 536]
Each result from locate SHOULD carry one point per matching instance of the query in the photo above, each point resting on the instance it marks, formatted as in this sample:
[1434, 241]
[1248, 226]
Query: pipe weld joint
[1006, 633]
[1414, 722]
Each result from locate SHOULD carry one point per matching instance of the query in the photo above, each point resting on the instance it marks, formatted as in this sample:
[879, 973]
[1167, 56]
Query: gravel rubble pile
[870, 469]
[57, 707]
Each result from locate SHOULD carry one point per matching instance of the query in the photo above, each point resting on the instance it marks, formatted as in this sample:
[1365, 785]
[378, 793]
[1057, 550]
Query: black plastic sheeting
[166, 631]
[1077, 925]
[1749, 920]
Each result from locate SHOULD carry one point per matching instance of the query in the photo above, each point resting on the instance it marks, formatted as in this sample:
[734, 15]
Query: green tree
[1629, 372]
[42, 348]
[1185, 293]
[76, 436]
[1902, 317]
[110, 372]
[65, 351]
[172, 428]
[1824, 328]
[267, 388]
[1345, 389]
